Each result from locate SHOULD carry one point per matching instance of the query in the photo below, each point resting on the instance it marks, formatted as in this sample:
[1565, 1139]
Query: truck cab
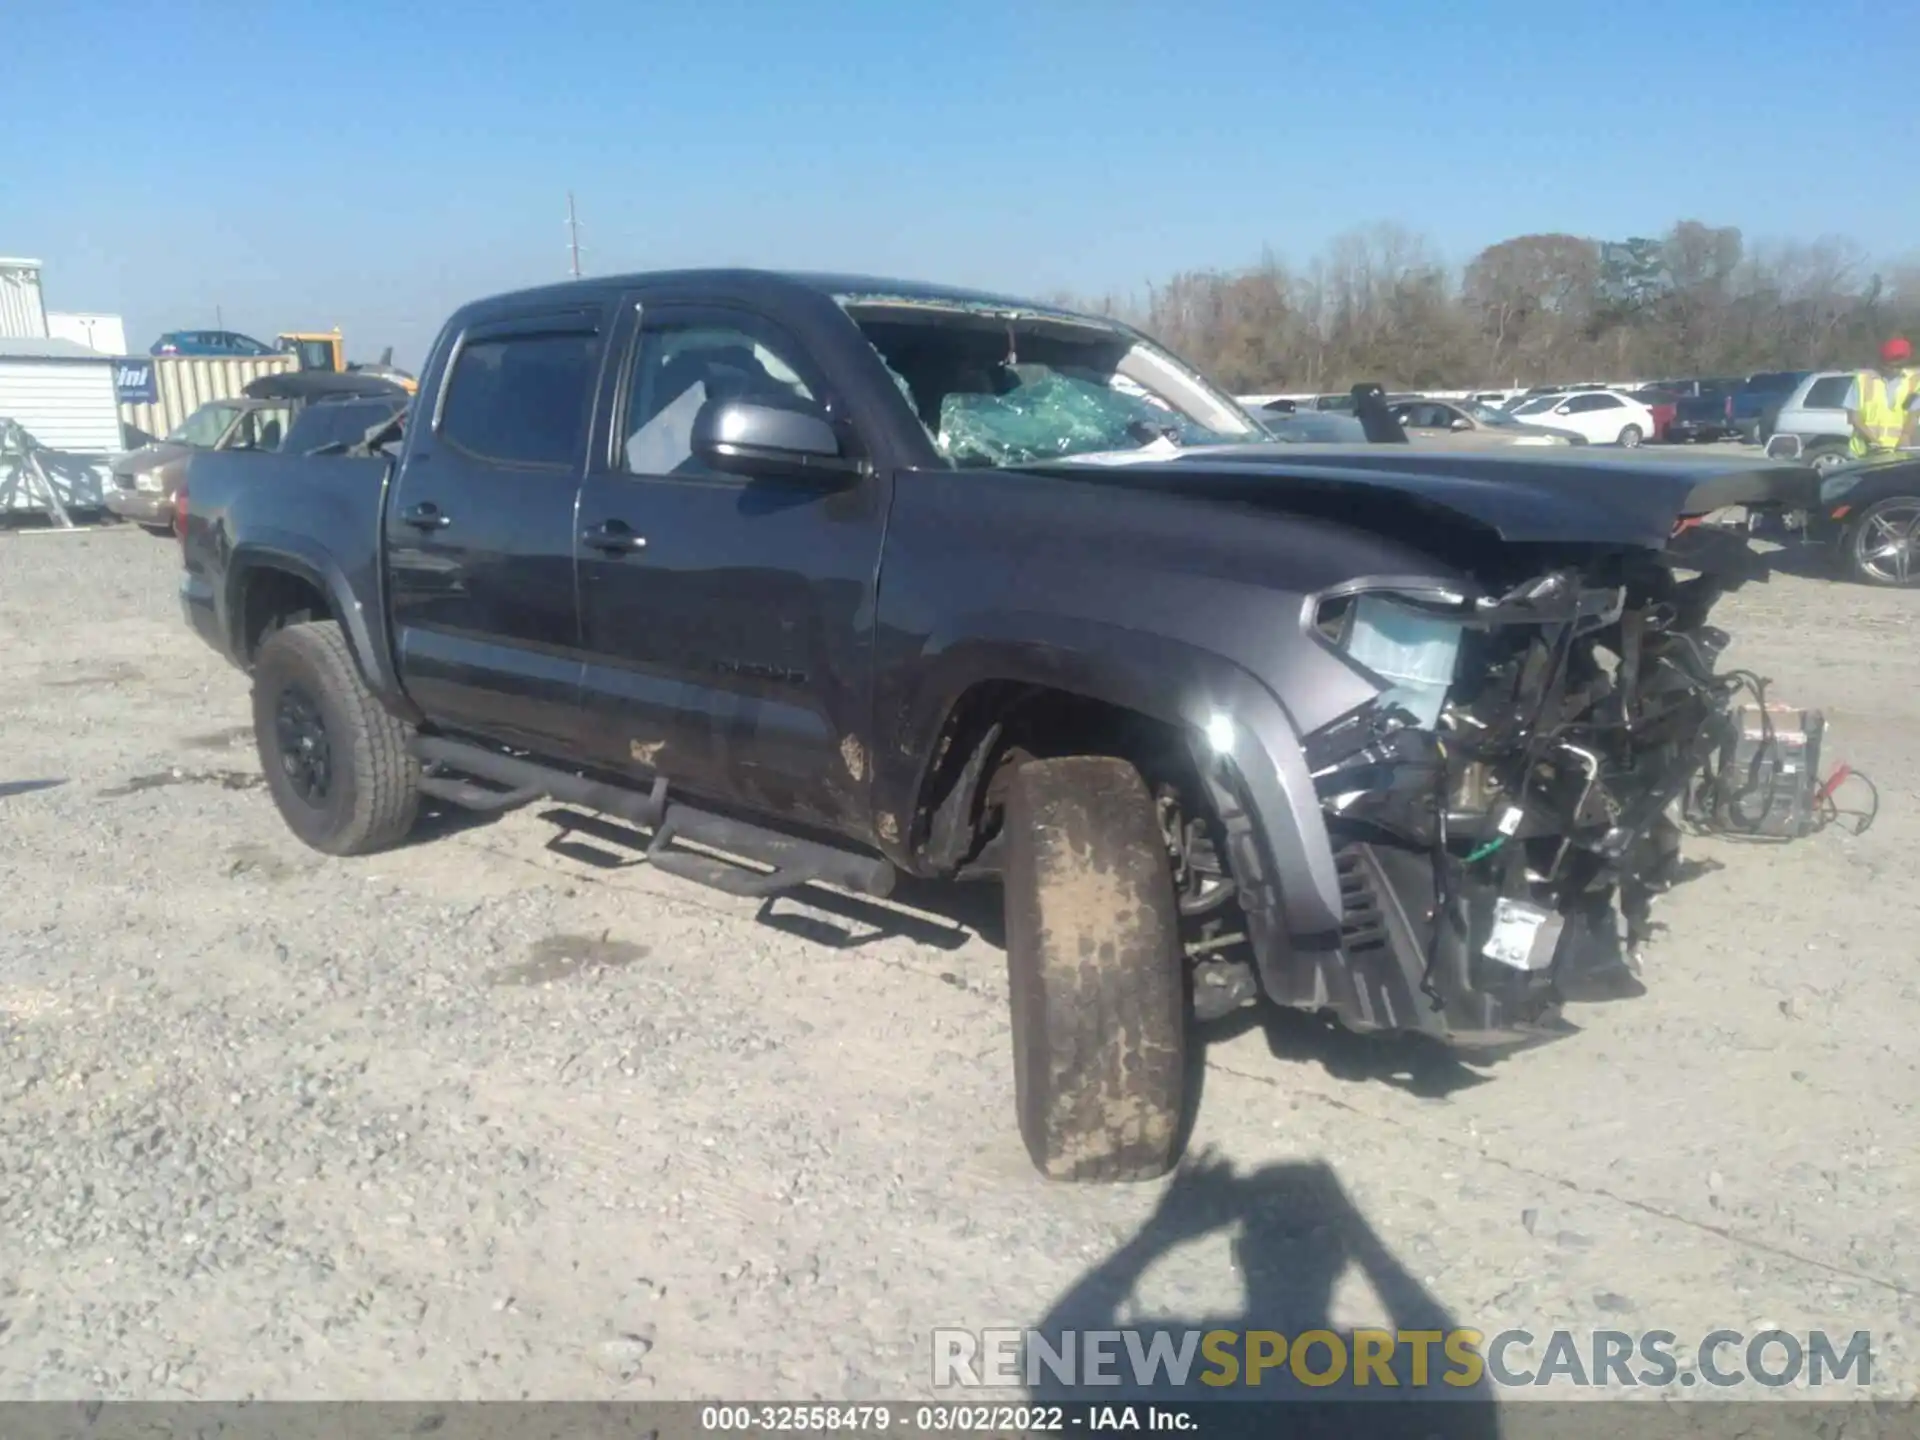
[314, 349]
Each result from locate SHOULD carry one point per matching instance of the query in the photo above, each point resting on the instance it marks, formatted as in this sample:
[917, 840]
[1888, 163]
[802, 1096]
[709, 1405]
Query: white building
[62, 394]
[23, 314]
[105, 333]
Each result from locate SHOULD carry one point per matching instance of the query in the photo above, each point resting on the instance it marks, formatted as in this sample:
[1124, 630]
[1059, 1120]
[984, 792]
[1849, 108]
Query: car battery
[1768, 779]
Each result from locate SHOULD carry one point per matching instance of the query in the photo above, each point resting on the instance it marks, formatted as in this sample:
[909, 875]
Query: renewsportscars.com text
[1456, 1360]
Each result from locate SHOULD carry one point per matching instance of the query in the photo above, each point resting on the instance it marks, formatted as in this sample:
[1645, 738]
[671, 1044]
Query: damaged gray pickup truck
[831, 581]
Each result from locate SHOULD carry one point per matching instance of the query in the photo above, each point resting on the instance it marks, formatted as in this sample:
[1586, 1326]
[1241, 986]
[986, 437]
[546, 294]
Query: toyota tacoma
[830, 581]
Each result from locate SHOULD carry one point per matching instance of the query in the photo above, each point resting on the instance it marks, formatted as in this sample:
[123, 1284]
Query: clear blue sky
[372, 164]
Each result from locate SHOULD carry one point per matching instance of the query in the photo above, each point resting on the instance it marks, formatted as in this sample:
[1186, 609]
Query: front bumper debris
[1503, 814]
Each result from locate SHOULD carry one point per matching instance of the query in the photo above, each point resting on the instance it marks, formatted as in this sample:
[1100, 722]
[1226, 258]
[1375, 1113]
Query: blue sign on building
[135, 383]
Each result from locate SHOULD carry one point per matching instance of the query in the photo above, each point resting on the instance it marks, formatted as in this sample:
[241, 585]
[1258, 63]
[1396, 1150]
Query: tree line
[1380, 305]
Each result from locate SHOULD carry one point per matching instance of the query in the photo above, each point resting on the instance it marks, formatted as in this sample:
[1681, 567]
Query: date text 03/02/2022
[947, 1419]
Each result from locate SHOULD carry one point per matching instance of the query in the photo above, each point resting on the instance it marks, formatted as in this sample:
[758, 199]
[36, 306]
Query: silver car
[1469, 425]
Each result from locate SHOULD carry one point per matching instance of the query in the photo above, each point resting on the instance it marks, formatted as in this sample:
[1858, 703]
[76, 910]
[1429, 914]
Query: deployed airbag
[1412, 650]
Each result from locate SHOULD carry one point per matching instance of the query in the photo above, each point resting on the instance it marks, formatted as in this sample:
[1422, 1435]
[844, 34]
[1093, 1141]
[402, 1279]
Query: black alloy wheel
[306, 755]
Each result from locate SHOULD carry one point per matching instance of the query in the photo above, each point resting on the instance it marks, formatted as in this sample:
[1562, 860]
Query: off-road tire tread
[1095, 972]
[385, 777]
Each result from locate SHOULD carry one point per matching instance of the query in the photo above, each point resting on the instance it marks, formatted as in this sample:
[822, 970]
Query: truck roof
[750, 280]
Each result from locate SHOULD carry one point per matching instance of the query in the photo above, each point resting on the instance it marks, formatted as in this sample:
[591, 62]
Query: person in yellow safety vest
[1880, 406]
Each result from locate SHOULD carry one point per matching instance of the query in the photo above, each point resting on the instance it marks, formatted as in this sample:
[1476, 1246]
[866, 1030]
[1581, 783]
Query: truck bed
[320, 514]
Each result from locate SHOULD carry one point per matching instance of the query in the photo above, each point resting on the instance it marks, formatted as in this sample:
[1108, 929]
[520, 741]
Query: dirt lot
[506, 1115]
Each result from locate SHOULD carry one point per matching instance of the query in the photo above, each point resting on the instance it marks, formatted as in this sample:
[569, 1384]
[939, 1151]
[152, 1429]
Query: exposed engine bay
[1510, 805]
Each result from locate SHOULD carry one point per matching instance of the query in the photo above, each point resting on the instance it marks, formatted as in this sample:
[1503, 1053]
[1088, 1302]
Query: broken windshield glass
[1048, 415]
[995, 386]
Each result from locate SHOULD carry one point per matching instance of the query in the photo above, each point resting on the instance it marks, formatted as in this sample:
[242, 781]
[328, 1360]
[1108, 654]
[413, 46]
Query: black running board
[791, 861]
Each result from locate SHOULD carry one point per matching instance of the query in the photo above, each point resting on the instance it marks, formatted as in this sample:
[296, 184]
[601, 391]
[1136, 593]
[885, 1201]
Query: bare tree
[1378, 304]
[1532, 298]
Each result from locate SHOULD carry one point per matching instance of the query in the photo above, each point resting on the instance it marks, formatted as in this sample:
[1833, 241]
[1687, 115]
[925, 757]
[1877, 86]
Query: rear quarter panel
[316, 517]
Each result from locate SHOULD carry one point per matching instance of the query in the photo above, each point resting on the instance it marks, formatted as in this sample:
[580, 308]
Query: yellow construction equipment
[326, 350]
[314, 349]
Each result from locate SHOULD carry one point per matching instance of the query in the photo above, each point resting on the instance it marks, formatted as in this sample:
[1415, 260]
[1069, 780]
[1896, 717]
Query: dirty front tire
[335, 760]
[1094, 970]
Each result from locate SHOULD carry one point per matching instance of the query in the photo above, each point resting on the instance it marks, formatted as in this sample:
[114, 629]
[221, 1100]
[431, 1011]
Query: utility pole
[219, 320]
[573, 235]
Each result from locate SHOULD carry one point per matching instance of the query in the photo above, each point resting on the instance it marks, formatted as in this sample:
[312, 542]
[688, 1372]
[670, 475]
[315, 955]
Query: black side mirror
[769, 435]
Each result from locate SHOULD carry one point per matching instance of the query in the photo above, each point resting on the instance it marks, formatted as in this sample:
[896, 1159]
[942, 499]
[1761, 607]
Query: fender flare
[1235, 726]
[294, 554]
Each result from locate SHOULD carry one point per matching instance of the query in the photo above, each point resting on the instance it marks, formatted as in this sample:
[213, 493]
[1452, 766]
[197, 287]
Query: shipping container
[62, 394]
[158, 392]
[105, 333]
[23, 314]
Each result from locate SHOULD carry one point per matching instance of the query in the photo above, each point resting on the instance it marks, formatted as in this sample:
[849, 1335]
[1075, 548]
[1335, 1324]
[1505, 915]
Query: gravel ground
[506, 1115]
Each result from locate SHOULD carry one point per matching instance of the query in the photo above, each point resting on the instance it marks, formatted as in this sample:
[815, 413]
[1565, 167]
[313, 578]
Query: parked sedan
[1535, 392]
[209, 342]
[1602, 416]
[1464, 425]
[144, 480]
[1868, 519]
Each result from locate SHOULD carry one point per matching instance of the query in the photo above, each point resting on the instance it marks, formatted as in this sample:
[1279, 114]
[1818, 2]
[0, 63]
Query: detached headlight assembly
[1411, 649]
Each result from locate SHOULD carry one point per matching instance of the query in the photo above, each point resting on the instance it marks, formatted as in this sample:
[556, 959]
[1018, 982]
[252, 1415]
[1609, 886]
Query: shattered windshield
[996, 386]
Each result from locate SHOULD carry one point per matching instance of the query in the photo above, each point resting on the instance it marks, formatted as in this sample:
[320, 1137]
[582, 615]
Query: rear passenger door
[1607, 415]
[1589, 415]
[480, 530]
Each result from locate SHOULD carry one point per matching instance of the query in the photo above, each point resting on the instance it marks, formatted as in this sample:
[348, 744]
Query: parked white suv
[1812, 424]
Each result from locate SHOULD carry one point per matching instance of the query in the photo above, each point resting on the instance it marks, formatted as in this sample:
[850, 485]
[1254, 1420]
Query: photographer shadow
[1295, 1234]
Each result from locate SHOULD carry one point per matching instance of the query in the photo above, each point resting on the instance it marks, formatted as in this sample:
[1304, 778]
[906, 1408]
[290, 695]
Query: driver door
[726, 621]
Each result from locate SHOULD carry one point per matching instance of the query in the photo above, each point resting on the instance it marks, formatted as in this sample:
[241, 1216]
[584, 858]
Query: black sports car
[1868, 518]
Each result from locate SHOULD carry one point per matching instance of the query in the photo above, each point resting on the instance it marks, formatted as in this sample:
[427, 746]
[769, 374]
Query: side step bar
[792, 861]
